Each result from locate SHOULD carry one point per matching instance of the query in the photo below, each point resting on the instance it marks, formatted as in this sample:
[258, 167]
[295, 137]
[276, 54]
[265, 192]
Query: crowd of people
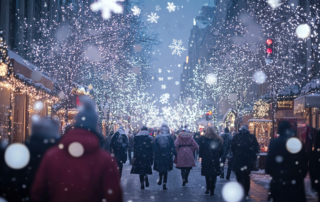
[58, 172]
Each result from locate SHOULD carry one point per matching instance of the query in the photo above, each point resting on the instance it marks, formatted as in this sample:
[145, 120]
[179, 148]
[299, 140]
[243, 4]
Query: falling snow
[177, 47]
[153, 18]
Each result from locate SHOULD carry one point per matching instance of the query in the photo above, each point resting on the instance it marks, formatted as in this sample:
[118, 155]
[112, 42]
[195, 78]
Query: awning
[306, 101]
[259, 120]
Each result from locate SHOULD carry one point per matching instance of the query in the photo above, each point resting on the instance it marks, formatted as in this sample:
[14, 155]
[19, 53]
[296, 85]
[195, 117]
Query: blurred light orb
[303, 31]
[63, 33]
[17, 156]
[61, 95]
[93, 54]
[105, 77]
[232, 192]
[211, 79]
[36, 75]
[294, 145]
[3, 200]
[259, 77]
[76, 149]
[274, 3]
[38, 105]
[279, 159]
[35, 117]
[137, 47]
[136, 70]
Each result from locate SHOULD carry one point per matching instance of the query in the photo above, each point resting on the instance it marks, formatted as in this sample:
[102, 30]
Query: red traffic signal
[269, 42]
[269, 50]
[210, 112]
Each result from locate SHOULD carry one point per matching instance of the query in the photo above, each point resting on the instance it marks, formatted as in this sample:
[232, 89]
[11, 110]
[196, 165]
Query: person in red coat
[77, 169]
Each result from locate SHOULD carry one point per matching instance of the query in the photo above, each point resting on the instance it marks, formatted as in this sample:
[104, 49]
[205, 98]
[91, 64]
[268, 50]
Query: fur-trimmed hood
[185, 134]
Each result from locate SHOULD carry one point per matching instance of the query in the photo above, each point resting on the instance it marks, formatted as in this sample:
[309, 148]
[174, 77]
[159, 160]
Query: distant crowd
[82, 165]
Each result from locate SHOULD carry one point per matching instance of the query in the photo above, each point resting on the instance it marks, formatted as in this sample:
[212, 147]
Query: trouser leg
[141, 178]
[208, 182]
[165, 177]
[187, 174]
[120, 166]
[129, 155]
[229, 168]
[183, 173]
[213, 182]
[247, 182]
[223, 160]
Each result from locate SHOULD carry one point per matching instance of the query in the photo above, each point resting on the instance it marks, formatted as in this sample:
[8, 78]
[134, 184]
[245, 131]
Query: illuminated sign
[285, 104]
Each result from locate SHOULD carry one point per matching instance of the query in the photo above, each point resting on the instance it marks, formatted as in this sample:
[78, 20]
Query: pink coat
[185, 146]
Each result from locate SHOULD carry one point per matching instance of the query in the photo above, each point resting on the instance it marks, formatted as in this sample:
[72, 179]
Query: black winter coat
[19, 188]
[164, 150]
[315, 164]
[245, 149]
[210, 150]
[143, 153]
[287, 171]
[119, 146]
[227, 139]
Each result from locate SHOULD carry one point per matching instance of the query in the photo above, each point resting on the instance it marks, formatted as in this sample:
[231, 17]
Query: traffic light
[269, 51]
[209, 116]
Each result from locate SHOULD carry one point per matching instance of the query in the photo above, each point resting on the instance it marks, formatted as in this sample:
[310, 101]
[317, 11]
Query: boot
[212, 186]
[142, 185]
[208, 188]
[184, 183]
[147, 181]
[164, 186]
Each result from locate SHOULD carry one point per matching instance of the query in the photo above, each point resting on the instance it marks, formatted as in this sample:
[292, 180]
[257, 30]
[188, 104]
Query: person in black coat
[164, 150]
[315, 165]
[287, 169]
[143, 156]
[245, 149]
[16, 184]
[119, 147]
[227, 138]
[211, 150]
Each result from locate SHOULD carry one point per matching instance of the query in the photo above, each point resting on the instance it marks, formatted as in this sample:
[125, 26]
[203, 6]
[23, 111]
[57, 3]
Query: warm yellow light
[3, 69]
[187, 59]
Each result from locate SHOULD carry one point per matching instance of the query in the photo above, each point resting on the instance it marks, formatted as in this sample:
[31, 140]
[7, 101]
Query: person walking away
[130, 148]
[287, 169]
[119, 147]
[44, 135]
[197, 138]
[211, 150]
[245, 149]
[227, 154]
[185, 147]
[315, 165]
[164, 150]
[143, 155]
[78, 169]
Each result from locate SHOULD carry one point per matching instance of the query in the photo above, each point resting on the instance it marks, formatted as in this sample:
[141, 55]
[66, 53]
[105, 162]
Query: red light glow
[269, 50]
[269, 42]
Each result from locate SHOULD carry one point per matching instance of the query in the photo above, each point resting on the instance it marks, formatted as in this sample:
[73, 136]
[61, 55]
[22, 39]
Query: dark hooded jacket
[119, 145]
[164, 150]
[287, 170]
[245, 149]
[143, 153]
[315, 164]
[44, 135]
[227, 139]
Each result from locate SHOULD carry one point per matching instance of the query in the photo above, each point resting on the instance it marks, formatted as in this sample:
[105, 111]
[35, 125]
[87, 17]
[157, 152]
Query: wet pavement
[193, 191]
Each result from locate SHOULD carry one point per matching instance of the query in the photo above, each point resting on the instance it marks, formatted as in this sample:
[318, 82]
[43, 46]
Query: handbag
[175, 160]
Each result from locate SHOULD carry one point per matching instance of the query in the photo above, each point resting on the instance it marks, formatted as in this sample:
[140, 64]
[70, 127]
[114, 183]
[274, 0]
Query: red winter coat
[91, 177]
[185, 146]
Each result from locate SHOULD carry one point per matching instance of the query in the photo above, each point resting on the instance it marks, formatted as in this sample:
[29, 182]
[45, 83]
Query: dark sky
[171, 25]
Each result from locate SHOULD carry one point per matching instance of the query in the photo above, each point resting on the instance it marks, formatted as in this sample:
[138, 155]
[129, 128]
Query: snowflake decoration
[163, 86]
[136, 10]
[158, 8]
[177, 47]
[159, 70]
[106, 7]
[153, 17]
[177, 82]
[171, 7]
[164, 98]
[160, 78]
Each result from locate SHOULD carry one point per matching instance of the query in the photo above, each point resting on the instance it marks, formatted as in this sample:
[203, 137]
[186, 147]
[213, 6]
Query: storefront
[23, 100]
[229, 120]
[262, 129]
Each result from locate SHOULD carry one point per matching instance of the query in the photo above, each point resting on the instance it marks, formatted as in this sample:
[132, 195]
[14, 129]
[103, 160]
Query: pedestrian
[245, 149]
[185, 146]
[77, 169]
[143, 156]
[315, 165]
[44, 134]
[227, 154]
[287, 169]
[131, 145]
[210, 152]
[119, 147]
[197, 138]
[164, 150]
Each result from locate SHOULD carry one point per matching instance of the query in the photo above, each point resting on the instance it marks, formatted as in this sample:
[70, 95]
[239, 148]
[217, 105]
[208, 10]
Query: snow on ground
[261, 178]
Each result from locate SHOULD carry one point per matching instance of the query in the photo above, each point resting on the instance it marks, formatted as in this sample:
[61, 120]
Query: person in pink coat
[185, 147]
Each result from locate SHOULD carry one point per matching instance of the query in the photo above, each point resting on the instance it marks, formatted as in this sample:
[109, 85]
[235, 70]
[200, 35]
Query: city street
[193, 191]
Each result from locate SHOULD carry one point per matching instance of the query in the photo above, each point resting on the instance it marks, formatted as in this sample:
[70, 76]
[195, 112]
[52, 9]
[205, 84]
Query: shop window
[4, 112]
[19, 118]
